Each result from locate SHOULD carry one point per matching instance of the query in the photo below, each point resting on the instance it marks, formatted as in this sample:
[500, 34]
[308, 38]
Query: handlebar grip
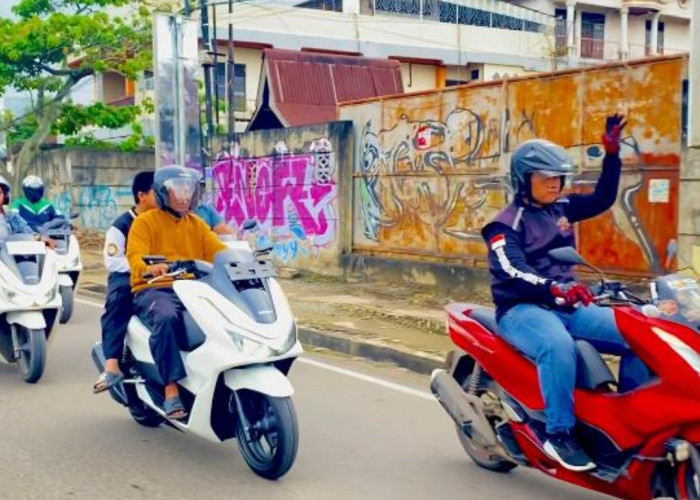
[147, 276]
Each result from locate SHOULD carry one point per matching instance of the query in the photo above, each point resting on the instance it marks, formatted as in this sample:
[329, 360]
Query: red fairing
[643, 419]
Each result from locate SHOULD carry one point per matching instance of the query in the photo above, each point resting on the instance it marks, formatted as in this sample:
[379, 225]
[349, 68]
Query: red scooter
[644, 442]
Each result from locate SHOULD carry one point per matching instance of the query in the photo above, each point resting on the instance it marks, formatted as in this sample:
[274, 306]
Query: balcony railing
[487, 13]
[592, 48]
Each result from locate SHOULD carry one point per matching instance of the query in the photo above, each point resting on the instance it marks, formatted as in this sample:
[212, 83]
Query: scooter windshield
[679, 299]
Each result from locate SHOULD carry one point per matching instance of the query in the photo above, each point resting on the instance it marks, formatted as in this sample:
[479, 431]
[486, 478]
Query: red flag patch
[498, 241]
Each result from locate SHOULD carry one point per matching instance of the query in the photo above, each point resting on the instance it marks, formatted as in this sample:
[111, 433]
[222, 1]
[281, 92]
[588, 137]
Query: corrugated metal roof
[305, 87]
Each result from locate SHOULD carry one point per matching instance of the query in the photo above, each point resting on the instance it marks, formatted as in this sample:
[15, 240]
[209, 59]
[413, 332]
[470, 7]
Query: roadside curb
[343, 343]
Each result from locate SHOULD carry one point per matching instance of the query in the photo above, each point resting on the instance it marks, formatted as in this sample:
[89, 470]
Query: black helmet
[33, 188]
[5, 190]
[183, 182]
[538, 155]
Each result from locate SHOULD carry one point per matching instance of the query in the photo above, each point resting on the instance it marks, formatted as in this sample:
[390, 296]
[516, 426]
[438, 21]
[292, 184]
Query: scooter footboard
[265, 379]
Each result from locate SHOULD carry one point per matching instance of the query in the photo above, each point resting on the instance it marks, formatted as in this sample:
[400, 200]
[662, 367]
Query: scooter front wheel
[267, 433]
[31, 358]
[67, 304]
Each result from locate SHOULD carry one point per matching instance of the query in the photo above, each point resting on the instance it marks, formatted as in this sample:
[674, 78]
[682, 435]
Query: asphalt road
[366, 432]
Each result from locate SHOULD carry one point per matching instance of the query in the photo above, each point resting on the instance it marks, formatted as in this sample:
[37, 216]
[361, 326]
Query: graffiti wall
[432, 169]
[290, 182]
[95, 183]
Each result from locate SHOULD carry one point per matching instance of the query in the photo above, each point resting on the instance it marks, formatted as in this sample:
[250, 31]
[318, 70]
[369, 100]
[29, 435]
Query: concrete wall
[431, 169]
[96, 183]
[295, 183]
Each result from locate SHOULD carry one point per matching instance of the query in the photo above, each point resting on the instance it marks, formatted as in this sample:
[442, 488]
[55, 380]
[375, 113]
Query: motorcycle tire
[141, 413]
[274, 435]
[32, 356]
[480, 456]
[67, 304]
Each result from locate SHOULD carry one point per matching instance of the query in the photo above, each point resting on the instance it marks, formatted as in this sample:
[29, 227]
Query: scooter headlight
[686, 352]
[250, 347]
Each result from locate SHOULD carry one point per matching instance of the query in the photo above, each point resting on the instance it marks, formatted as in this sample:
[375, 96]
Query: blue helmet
[180, 181]
[538, 155]
[33, 188]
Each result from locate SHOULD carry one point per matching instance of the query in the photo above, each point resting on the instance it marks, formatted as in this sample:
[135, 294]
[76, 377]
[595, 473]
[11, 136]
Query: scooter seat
[592, 372]
[486, 316]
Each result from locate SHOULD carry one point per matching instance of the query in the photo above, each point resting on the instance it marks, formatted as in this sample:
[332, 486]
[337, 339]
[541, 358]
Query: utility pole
[206, 42]
[230, 75]
[694, 78]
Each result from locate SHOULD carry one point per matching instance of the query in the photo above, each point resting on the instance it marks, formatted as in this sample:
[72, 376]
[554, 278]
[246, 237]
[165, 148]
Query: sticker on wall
[659, 190]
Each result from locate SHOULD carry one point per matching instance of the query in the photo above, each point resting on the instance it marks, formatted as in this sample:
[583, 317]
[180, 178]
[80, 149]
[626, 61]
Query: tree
[52, 45]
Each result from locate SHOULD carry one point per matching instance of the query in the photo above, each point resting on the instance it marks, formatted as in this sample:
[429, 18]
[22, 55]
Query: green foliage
[51, 45]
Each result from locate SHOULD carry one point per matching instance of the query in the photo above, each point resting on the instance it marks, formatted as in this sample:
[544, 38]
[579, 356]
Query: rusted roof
[303, 88]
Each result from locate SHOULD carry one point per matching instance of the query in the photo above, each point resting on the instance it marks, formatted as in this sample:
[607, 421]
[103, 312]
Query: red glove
[571, 294]
[613, 129]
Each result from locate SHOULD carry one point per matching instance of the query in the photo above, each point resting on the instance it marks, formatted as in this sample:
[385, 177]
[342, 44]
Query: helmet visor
[180, 193]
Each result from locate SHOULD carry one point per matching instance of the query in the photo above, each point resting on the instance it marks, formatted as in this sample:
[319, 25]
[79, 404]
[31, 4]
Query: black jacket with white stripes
[521, 235]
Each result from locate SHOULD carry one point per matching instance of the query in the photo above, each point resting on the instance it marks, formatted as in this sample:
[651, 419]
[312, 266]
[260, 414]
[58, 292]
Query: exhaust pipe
[98, 357]
[466, 410]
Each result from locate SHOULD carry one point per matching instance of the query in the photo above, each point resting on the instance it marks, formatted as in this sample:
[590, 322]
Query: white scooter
[68, 260]
[29, 303]
[239, 344]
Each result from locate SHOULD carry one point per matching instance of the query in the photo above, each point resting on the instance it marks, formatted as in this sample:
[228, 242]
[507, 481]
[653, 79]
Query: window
[475, 74]
[659, 39]
[454, 83]
[239, 99]
[560, 38]
[592, 35]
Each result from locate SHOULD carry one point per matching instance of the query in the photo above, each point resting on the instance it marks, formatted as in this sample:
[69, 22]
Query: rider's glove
[570, 294]
[613, 130]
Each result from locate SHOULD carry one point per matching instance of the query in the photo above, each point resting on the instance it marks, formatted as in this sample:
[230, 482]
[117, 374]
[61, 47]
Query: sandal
[106, 381]
[174, 410]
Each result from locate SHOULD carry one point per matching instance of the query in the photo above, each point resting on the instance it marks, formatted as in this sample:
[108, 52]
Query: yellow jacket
[158, 232]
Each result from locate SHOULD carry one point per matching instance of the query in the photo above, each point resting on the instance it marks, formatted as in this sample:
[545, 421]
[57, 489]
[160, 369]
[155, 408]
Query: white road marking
[335, 369]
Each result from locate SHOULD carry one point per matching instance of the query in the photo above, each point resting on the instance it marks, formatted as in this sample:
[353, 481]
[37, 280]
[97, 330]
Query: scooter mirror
[566, 255]
[249, 224]
[74, 215]
[154, 259]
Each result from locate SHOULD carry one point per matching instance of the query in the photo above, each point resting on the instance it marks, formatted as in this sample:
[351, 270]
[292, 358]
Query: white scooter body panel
[65, 280]
[28, 319]
[137, 336]
[261, 378]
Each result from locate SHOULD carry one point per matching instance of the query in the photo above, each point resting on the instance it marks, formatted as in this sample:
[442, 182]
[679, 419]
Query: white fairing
[25, 247]
[65, 280]
[261, 378]
[27, 319]
[70, 261]
[15, 295]
[137, 336]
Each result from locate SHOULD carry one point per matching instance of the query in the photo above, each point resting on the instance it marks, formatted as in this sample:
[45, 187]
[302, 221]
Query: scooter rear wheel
[478, 454]
[272, 440]
[141, 413]
[32, 355]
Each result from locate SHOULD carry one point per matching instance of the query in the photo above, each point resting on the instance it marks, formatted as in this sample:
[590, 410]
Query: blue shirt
[208, 214]
[13, 223]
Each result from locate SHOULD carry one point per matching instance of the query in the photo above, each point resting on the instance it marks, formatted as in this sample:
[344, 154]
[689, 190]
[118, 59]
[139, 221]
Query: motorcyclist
[119, 303]
[34, 208]
[213, 219]
[12, 222]
[536, 299]
[175, 233]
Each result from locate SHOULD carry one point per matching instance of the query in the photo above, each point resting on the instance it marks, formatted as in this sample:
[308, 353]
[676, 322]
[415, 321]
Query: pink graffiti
[271, 190]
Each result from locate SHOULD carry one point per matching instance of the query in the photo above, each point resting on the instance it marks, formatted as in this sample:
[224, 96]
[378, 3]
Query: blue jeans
[547, 337]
